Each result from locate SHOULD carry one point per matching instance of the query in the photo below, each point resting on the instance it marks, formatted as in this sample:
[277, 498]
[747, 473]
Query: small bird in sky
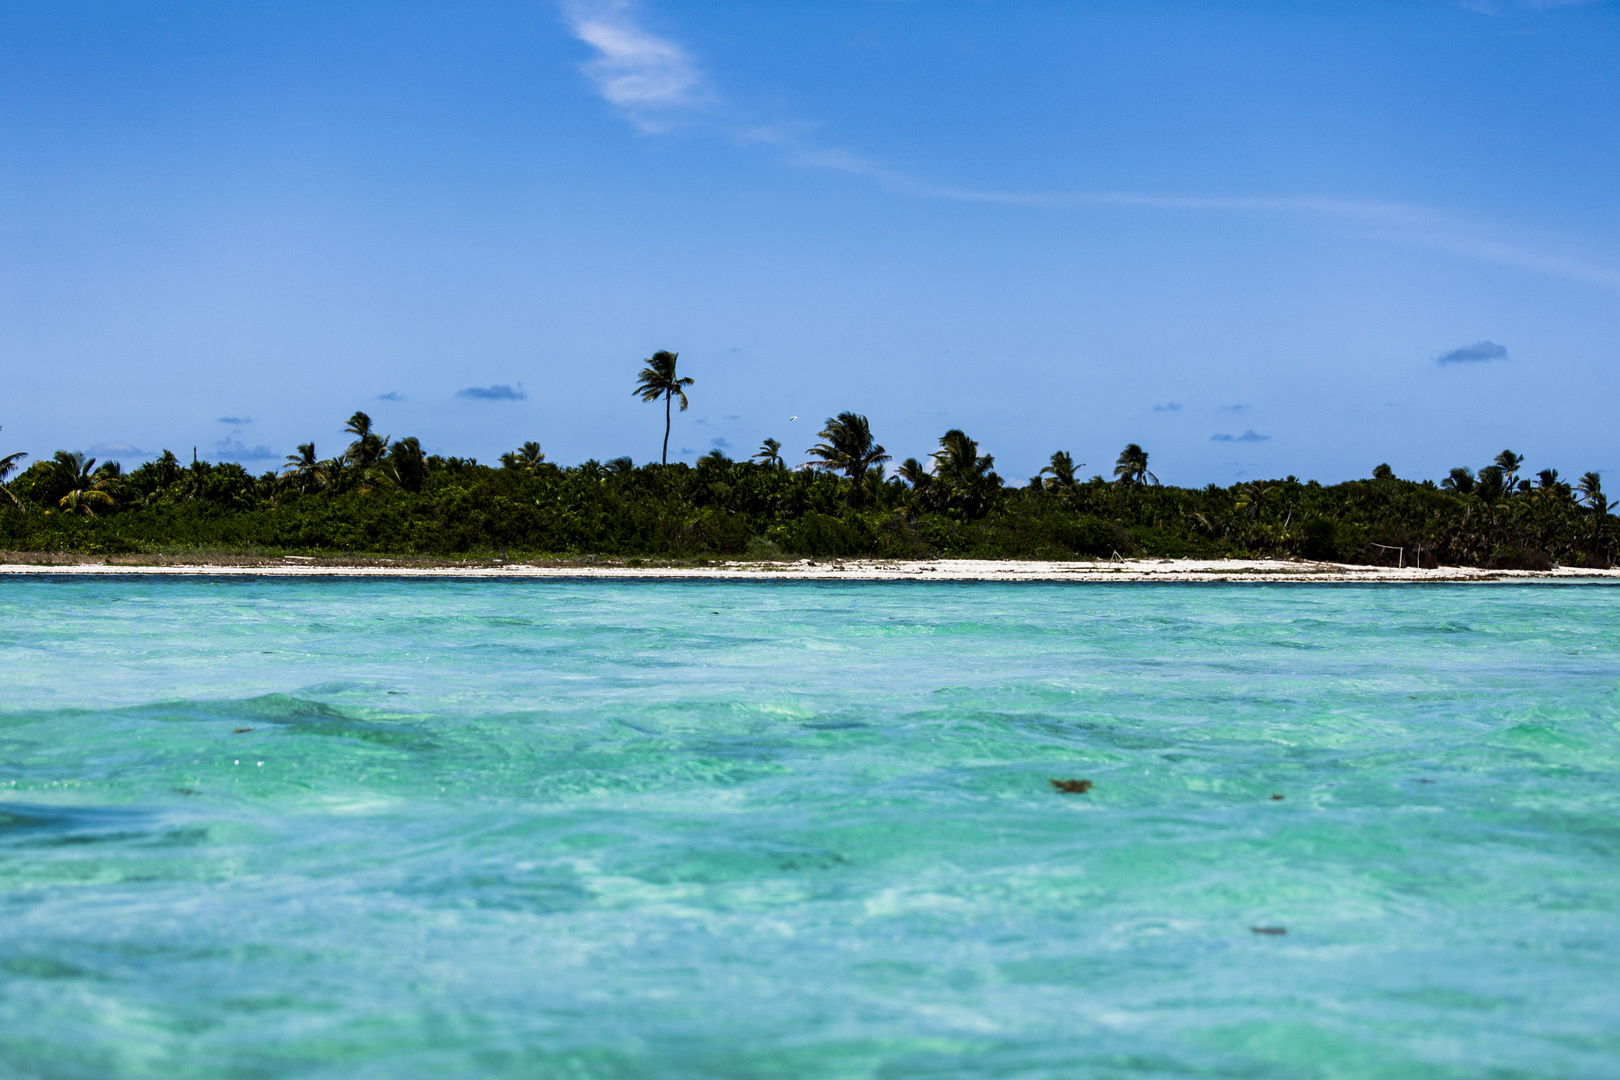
[793, 418]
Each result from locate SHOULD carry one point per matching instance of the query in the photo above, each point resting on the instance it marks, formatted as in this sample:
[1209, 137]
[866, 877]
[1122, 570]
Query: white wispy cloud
[656, 83]
[1505, 7]
[1400, 222]
[650, 78]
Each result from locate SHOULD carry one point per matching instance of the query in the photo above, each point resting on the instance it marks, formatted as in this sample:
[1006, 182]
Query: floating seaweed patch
[240, 730]
[1072, 787]
[1274, 931]
[1276, 798]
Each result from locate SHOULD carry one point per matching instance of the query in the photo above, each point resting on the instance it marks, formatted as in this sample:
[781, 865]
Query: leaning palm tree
[658, 380]
[1131, 470]
[8, 465]
[770, 453]
[849, 449]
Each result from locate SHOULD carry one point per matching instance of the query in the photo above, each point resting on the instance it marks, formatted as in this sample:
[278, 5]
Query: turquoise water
[635, 829]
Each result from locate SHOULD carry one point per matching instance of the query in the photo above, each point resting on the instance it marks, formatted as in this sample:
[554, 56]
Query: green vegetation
[385, 496]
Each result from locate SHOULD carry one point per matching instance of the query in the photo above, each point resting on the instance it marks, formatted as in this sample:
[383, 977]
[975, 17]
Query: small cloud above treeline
[498, 392]
[1248, 436]
[117, 449]
[392, 395]
[1234, 408]
[233, 450]
[236, 421]
[1478, 353]
[1168, 406]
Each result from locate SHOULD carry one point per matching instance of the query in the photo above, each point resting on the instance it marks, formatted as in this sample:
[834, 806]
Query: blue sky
[1257, 238]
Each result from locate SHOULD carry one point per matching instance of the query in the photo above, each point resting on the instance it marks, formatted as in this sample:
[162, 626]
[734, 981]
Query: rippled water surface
[367, 828]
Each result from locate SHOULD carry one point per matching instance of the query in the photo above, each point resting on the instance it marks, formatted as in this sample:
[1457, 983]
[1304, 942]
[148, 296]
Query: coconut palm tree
[1062, 479]
[1131, 470]
[1491, 484]
[914, 473]
[304, 469]
[770, 453]
[367, 447]
[849, 449]
[714, 459]
[963, 476]
[658, 380]
[1509, 463]
[85, 489]
[8, 465]
[404, 469]
[526, 458]
[1548, 486]
[1591, 489]
[1460, 481]
[620, 466]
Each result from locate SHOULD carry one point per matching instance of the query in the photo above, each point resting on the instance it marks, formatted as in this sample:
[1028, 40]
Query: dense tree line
[387, 496]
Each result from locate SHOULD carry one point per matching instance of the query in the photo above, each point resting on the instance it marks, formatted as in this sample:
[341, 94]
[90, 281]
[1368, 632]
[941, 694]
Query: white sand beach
[1128, 570]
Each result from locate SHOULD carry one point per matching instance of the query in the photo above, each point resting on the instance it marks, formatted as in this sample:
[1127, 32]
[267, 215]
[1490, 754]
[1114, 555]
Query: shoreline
[1003, 570]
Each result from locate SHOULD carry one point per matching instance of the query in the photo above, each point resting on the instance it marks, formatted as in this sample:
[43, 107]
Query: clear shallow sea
[634, 829]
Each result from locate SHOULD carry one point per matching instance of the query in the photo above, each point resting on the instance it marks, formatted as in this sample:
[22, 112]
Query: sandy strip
[1152, 570]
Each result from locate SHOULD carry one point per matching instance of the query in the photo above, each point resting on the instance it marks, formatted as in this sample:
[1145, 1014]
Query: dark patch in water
[41, 967]
[298, 716]
[1275, 931]
[61, 826]
[1072, 787]
[1276, 798]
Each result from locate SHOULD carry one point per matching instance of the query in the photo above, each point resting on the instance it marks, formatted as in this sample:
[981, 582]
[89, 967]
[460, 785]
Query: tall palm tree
[368, 446]
[658, 380]
[303, 469]
[770, 453]
[849, 449]
[1509, 463]
[1591, 489]
[1062, 481]
[1131, 469]
[1491, 484]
